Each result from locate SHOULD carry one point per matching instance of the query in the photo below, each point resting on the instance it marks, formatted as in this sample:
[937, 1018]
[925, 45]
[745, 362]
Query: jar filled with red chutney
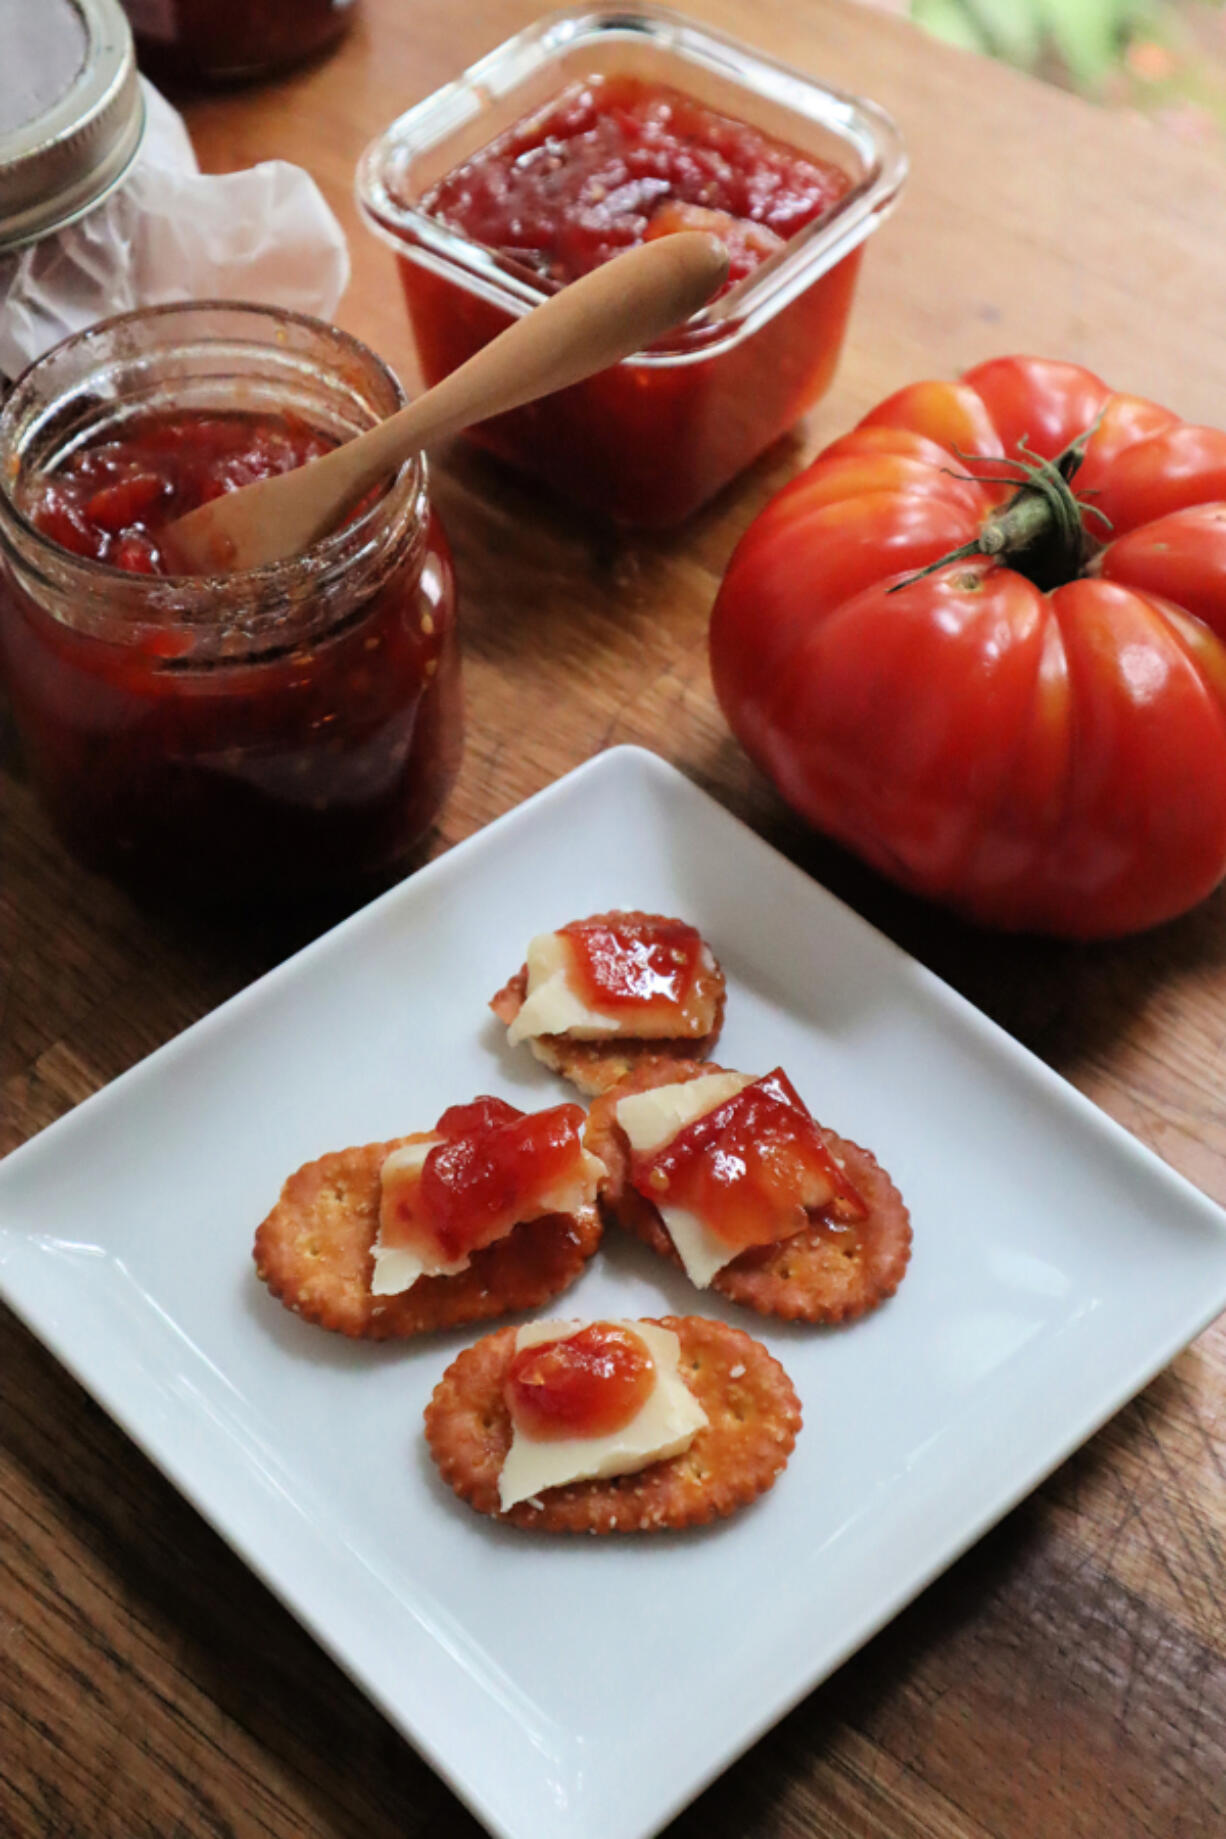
[596, 129]
[289, 729]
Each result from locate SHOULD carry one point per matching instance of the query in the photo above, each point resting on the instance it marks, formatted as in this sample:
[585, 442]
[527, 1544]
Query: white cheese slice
[665, 1424]
[651, 1120]
[701, 1251]
[551, 1005]
[398, 1268]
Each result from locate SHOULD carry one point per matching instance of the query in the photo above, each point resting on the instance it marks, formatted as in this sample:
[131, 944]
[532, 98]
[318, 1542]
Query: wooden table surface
[1068, 1677]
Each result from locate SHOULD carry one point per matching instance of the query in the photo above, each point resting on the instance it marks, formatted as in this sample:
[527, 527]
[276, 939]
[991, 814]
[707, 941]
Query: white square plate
[589, 1688]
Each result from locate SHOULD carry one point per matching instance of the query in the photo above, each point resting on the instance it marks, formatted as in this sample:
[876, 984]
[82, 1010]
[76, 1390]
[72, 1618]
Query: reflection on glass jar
[291, 728]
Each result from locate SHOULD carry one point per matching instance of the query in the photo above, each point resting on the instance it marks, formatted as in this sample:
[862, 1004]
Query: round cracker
[314, 1251]
[753, 1416]
[830, 1271]
[595, 1066]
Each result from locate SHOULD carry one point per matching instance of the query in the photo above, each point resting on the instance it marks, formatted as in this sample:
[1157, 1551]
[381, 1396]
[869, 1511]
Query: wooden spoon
[617, 309]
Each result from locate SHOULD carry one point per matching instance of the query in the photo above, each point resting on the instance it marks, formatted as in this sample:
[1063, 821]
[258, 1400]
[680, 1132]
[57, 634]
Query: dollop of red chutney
[489, 1172]
[754, 1169]
[110, 500]
[615, 161]
[588, 1385]
[634, 963]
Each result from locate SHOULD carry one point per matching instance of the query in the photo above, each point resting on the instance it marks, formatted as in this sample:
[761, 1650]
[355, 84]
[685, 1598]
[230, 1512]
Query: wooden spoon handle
[605, 316]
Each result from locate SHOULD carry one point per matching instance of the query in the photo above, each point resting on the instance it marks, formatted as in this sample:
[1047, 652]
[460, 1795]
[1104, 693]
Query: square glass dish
[650, 440]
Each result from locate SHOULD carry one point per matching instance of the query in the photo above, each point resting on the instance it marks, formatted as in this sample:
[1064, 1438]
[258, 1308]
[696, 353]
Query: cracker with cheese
[732, 1179]
[713, 1430]
[490, 1213]
[605, 995]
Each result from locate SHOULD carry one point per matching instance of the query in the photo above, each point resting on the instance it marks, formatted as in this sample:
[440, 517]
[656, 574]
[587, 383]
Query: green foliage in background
[1165, 57]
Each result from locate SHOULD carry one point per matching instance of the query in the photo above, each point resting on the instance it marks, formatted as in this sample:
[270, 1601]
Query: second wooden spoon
[607, 315]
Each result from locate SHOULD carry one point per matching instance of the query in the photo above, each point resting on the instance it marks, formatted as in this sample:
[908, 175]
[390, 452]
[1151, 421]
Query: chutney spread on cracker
[611, 992]
[591, 1401]
[724, 1426]
[492, 1211]
[731, 1177]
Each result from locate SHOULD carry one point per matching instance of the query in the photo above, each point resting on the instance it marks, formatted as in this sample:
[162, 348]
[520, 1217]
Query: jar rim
[269, 577]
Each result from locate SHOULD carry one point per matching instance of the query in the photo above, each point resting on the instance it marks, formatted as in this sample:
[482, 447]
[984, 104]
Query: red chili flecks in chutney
[111, 499]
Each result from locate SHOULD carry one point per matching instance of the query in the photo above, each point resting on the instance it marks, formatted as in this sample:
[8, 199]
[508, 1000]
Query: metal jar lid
[71, 111]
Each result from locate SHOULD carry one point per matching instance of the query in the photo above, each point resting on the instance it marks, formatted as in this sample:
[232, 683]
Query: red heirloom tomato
[982, 642]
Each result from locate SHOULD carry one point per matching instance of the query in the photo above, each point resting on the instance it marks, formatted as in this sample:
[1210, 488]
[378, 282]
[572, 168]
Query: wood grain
[1066, 1680]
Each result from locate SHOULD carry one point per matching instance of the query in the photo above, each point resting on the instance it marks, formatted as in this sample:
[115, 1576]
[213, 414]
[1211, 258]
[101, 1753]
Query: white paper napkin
[171, 232]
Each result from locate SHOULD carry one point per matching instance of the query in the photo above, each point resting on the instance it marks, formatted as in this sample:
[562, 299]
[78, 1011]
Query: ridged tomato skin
[1049, 760]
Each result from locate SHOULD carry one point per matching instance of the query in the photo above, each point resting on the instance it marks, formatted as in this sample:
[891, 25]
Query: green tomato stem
[1041, 531]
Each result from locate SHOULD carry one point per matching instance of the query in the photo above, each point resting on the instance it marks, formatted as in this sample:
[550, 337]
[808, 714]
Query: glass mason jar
[234, 40]
[284, 729]
[72, 119]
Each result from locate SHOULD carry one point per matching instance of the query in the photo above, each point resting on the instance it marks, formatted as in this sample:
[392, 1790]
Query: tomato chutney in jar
[596, 130]
[290, 728]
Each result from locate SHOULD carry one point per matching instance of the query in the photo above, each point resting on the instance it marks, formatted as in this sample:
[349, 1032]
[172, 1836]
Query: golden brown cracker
[753, 1418]
[830, 1271]
[314, 1253]
[594, 1066]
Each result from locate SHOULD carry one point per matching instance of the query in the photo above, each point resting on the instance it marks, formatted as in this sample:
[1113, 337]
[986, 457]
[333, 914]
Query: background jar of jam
[493, 188]
[289, 728]
[234, 40]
